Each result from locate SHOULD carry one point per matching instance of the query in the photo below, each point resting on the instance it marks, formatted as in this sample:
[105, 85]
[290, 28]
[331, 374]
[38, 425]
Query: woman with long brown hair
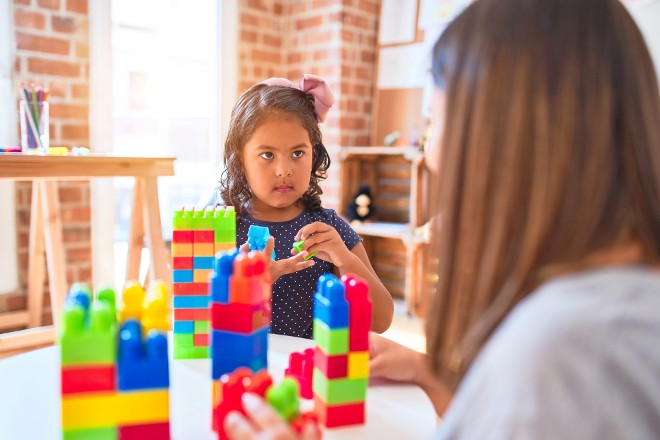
[545, 316]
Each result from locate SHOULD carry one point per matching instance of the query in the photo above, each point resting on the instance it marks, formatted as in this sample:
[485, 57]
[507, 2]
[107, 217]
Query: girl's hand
[263, 423]
[281, 267]
[325, 240]
[393, 361]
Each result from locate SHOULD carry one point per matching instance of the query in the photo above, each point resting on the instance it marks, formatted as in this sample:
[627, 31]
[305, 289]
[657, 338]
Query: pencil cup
[34, 127]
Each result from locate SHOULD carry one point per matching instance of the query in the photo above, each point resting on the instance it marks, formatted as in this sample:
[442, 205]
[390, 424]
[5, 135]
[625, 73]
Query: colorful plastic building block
[301, 366]
[142, 365]
[297, 245]
[284, 398]
[257, 238]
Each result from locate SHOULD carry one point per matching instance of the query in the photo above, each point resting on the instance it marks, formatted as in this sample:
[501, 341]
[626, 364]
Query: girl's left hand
[264, 423]
[325, 240]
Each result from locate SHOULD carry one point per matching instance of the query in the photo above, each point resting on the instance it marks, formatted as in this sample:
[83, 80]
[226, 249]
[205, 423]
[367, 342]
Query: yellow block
[358, 364]
[201, 275]
[204, 249]
[219, 246]
[182, 249]
[115, 409]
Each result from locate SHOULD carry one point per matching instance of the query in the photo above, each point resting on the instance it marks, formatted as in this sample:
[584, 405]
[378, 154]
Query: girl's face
[278, 166]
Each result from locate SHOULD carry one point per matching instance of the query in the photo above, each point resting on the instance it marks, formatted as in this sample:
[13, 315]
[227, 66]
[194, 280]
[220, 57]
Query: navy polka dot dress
[293, 294]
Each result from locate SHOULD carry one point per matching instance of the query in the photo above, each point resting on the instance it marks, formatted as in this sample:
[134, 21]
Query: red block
[201, 340]
[182, 236]
[182, 263]
[299, 422]
[359, 309]
[332, 366]
[194, 289]
[151, 431]
[192, 314]
[339, 415]
[236, 317]
[87, 379]
[301, 367]
[204, 236]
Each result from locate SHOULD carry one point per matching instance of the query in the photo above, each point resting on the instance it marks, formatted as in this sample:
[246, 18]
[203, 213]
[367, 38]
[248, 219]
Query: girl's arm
[324, 239]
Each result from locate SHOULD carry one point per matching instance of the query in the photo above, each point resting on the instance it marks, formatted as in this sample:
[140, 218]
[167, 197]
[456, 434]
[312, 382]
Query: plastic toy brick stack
[342, 318]
[257, 237]
[115, 383]
[198, 235]
[240, 318]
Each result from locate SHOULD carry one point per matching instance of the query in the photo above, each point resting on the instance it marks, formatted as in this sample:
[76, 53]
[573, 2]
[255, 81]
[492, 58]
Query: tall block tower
[197, 236]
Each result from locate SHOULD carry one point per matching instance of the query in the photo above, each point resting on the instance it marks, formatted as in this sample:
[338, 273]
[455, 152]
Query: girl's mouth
[283, 189]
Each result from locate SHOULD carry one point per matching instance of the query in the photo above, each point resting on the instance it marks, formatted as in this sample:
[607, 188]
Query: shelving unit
[360, 165]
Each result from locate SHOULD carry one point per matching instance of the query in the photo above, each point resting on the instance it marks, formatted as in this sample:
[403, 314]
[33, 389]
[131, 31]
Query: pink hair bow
[314, 85]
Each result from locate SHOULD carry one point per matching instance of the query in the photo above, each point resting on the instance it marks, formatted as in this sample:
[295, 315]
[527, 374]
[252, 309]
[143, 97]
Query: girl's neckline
[266, 222]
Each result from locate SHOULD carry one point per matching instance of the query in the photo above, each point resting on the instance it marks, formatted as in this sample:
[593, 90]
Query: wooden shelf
[384, 229]
[410, 153]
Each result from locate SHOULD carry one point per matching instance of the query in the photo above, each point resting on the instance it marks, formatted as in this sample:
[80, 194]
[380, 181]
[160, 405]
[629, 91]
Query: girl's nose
[284, 172]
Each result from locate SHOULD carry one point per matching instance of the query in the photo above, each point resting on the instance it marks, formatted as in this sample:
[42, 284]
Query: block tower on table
[240, 318]
[342, 319]
[115, 381]
[197, 236]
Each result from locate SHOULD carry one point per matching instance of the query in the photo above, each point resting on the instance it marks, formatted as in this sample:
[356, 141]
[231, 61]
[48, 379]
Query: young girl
[275, 158]
[546, 313]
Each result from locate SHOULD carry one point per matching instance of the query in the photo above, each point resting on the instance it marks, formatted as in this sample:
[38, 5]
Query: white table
[30, 399]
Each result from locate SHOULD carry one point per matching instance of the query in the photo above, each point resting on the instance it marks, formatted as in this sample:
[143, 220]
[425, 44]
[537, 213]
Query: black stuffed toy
[361, 209]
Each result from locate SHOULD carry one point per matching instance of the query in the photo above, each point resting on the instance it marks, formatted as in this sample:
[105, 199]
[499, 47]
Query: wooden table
[46, 226]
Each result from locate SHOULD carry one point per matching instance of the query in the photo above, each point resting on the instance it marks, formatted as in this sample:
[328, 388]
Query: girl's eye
[266, 155]
[298, 154]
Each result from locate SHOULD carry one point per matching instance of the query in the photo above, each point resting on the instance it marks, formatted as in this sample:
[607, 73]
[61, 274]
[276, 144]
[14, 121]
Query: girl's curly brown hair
[250, 111]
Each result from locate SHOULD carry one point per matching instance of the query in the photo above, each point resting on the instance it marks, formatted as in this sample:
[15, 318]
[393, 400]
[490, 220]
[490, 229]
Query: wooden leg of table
[36, 260]
[54, 247]
[158, 252]
[136, 237]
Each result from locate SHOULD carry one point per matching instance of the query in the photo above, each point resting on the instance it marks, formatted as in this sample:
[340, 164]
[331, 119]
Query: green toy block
[224, 236]
[184, 340]
[331, 341]
[182, 220]
[297, 245]
[191, 352]
[91, 434]
[201, 327]
[96, 344]
[339, 391]
[107, 295]
[284, 398]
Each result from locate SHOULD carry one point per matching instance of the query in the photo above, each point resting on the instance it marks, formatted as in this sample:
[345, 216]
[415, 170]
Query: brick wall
[335, 39]
[52, 39]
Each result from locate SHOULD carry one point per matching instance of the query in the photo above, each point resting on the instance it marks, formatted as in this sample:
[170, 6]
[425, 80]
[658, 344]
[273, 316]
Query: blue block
[182, 276]
[191, 302]
[184, 327]
[141, 365]
[203, 262]
[257, 237]
[219, 279]
[330, 305]
[231, 350]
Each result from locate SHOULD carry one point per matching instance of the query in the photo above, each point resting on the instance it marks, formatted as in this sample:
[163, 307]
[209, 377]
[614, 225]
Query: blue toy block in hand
[257, 238]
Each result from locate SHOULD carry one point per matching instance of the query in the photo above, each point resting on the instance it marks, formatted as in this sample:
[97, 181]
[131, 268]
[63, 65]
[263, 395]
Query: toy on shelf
[197, 236]
[115, 374]
[342, 318]
[361, 209]
[301, 366]
[283, 397]
[257, 237]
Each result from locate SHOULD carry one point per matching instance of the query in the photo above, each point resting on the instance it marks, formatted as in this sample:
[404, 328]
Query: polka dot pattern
[293, 294]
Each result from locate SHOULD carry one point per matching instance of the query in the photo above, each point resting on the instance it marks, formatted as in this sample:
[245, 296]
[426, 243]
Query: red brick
[82, 254]
[319, 37]
[42, 44]
[249, 19]
[49, 4]
[75, 215]
[294, 58]
[311, 22]
[80, 91]
[69, 111]
[77, 132]
[76, 235]
[368, 6]
[51, 67]
[22, 2]
[57, 89]
[265, 56]
[29, 20]
[79, 6]
[70, 194]
[272, 41]
[63, 24]
[248, 36]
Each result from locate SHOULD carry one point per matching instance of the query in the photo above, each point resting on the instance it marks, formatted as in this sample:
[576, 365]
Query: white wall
[647, 15]
[8, 263]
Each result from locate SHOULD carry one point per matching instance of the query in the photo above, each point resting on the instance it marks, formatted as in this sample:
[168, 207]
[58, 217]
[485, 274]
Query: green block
[191, 352]
[107, 295]
[183, 340]
[225, 236]
[284, 398]
[339, 391]
[201, 327]
[182, 220]
[297, 245]
[96, 344]
[331, 341]
[91, 434]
